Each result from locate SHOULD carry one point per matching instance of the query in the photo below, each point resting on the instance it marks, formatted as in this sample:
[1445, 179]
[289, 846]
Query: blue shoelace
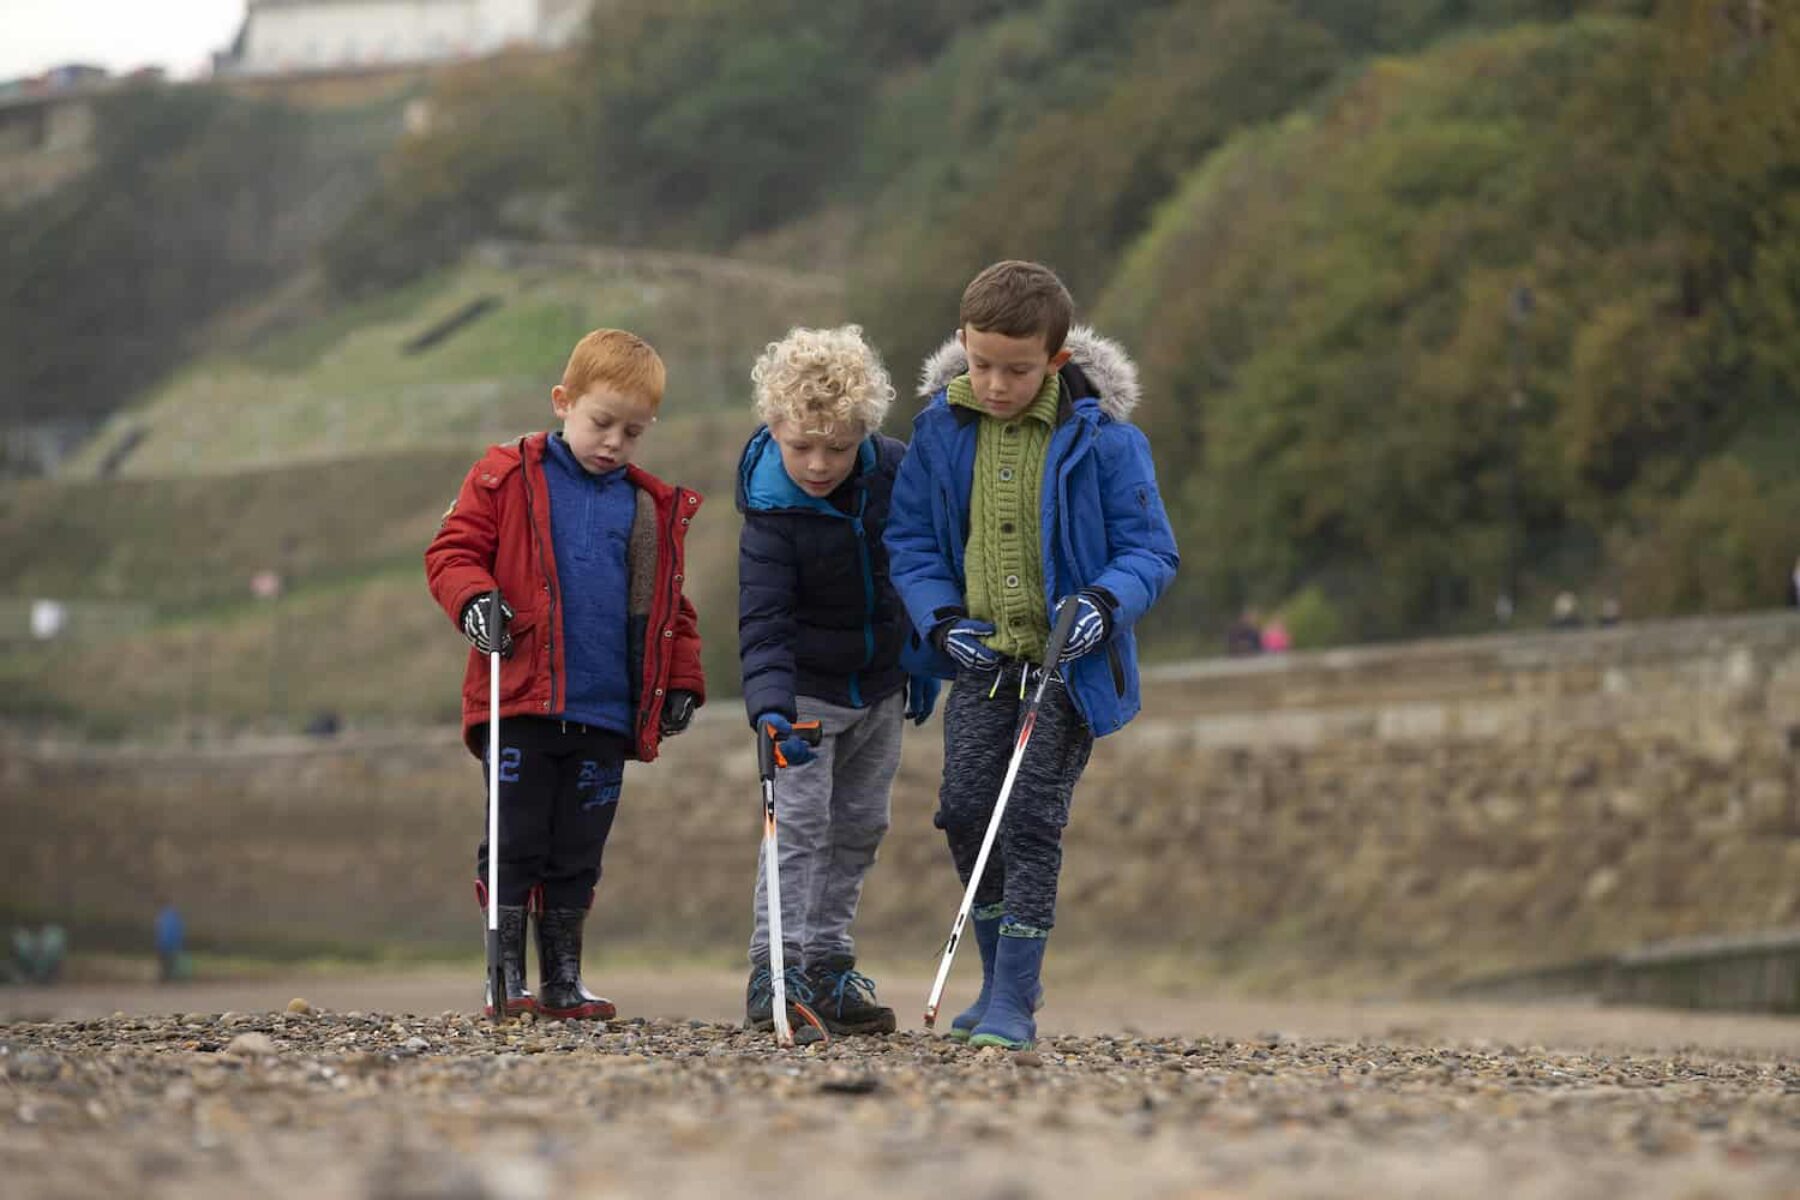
[763, 986]
[854, 982]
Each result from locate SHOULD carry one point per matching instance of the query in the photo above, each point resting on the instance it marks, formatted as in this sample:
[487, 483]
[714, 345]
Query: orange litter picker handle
[769, 755]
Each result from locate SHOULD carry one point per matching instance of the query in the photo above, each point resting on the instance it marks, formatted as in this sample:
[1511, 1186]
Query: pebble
[299, 1006]
[853, 1085]
[251, 1045]
[1216, 1117]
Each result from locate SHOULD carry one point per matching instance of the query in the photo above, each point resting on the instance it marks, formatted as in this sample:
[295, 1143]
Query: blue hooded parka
[1101, 518]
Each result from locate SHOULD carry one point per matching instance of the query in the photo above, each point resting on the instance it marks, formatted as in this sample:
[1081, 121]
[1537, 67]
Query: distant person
[1610, 613]
[601, 656]
[1026, 493]
[1794, 586]
[1275, 639]
[821, 643]
[1243, 637]
[325, 724]
[171, 936]
[1565, 612]
[38, 956]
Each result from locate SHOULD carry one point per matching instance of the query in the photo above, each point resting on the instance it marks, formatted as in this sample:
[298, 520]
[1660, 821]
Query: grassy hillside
[197, 201]
[348, 384]
[329, 454]
[1447, 328]
[355, 632]
[1441, 300]
[1435, 300]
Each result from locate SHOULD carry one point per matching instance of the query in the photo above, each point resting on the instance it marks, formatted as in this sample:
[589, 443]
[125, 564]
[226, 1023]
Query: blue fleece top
[590, 524]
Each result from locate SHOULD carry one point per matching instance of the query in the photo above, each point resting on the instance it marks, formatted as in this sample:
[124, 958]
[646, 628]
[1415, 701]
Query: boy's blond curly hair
[822, 379]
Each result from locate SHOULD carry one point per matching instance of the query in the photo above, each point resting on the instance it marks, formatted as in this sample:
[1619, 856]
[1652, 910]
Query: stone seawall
[1379, 818]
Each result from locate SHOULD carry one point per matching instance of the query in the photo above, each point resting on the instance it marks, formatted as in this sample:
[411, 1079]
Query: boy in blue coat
[1024, 490]
[821, 635]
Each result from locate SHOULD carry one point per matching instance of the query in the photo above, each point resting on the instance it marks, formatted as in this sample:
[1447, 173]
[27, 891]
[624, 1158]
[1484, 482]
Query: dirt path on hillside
[1209, 1098]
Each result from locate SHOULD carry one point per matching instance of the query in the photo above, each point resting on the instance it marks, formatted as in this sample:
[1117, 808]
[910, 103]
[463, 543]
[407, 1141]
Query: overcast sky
[177, 35]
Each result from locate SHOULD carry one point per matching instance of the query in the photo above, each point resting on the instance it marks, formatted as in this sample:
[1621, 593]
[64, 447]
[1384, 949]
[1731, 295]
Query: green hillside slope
[328, 455]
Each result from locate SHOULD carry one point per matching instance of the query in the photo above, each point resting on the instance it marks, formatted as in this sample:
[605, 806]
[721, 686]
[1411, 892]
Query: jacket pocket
[1116, 662]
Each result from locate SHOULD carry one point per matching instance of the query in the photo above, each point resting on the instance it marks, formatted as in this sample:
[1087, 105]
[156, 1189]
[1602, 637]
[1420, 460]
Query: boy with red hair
[600, 654]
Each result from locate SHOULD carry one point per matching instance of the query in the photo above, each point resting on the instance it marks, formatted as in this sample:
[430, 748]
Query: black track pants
[559, 791]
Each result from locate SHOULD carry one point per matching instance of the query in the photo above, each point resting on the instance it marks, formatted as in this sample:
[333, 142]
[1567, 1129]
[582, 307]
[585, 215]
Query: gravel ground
[361, 1104]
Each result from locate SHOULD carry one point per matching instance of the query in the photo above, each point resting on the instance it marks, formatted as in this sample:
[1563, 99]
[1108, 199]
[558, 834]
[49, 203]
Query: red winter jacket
[498, 534]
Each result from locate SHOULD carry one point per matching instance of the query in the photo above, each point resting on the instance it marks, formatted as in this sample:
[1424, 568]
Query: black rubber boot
[512, 962]
[559, 968]
[844, 997]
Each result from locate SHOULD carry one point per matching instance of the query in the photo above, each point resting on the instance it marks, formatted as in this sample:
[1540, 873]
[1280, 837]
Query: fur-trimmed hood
[1103, 361]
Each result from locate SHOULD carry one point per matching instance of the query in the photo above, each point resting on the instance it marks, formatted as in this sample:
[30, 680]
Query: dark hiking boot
[844, 997]
[1008, 1022]
[559, 967]
[759, 998]
[512, 962]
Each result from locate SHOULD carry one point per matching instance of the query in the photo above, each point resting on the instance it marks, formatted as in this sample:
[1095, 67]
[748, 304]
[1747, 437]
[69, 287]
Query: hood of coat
[1103, 361]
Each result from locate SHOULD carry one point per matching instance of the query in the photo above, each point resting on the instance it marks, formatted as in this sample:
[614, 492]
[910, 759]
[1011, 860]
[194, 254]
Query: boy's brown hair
[1018, 299]
[613, 358]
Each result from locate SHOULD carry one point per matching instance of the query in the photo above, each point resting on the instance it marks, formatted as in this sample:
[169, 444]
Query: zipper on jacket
[959, 536]
[537, 538]
[1060, 499]
[653, 655]
[1062, 503]
[868, 578]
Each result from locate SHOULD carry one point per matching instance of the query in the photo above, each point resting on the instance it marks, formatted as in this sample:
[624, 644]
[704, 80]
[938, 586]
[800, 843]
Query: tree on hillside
[1055, 134]
[709, 119]
[500, 147]
[1353, 402]
[190, 205]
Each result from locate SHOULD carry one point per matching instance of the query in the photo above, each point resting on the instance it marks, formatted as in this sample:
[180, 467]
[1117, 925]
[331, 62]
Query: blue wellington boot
[987, 933]
[1008, 1023]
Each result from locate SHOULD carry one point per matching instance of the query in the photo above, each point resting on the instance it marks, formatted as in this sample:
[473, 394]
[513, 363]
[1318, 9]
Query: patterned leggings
[981, 725]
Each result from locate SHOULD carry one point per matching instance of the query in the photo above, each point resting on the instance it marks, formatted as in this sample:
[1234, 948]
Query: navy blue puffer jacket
[817, 615]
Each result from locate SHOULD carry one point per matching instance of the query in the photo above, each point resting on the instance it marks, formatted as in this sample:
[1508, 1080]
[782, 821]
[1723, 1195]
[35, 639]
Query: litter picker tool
[496, 969]
[769, 759]
[1059, 635]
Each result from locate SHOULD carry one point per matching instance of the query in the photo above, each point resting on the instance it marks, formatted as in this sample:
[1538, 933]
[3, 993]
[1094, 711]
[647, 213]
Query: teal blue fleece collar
[768, 487]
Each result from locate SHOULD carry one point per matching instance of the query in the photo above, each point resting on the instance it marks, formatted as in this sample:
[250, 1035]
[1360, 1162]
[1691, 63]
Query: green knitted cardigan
[1003, 561]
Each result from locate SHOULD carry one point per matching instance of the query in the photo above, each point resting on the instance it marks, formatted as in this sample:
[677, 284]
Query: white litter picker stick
[496, 968]
[768, 760]
[1052, 654]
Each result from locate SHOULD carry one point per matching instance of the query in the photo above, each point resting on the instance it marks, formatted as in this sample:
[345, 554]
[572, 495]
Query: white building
[280, 36]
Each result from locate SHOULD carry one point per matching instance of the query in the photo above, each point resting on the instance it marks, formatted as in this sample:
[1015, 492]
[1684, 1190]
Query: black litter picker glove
[678, 710]
[479, 625]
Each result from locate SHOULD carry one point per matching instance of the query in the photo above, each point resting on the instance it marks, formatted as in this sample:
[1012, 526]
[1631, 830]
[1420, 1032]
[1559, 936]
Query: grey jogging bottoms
[832, 814]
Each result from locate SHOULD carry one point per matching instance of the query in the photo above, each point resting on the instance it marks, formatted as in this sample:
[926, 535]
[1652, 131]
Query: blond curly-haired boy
[821, 636]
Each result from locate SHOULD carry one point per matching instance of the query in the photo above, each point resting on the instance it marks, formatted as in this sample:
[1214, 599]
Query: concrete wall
[1376, 819]
[44, 142]
[1757, 973]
